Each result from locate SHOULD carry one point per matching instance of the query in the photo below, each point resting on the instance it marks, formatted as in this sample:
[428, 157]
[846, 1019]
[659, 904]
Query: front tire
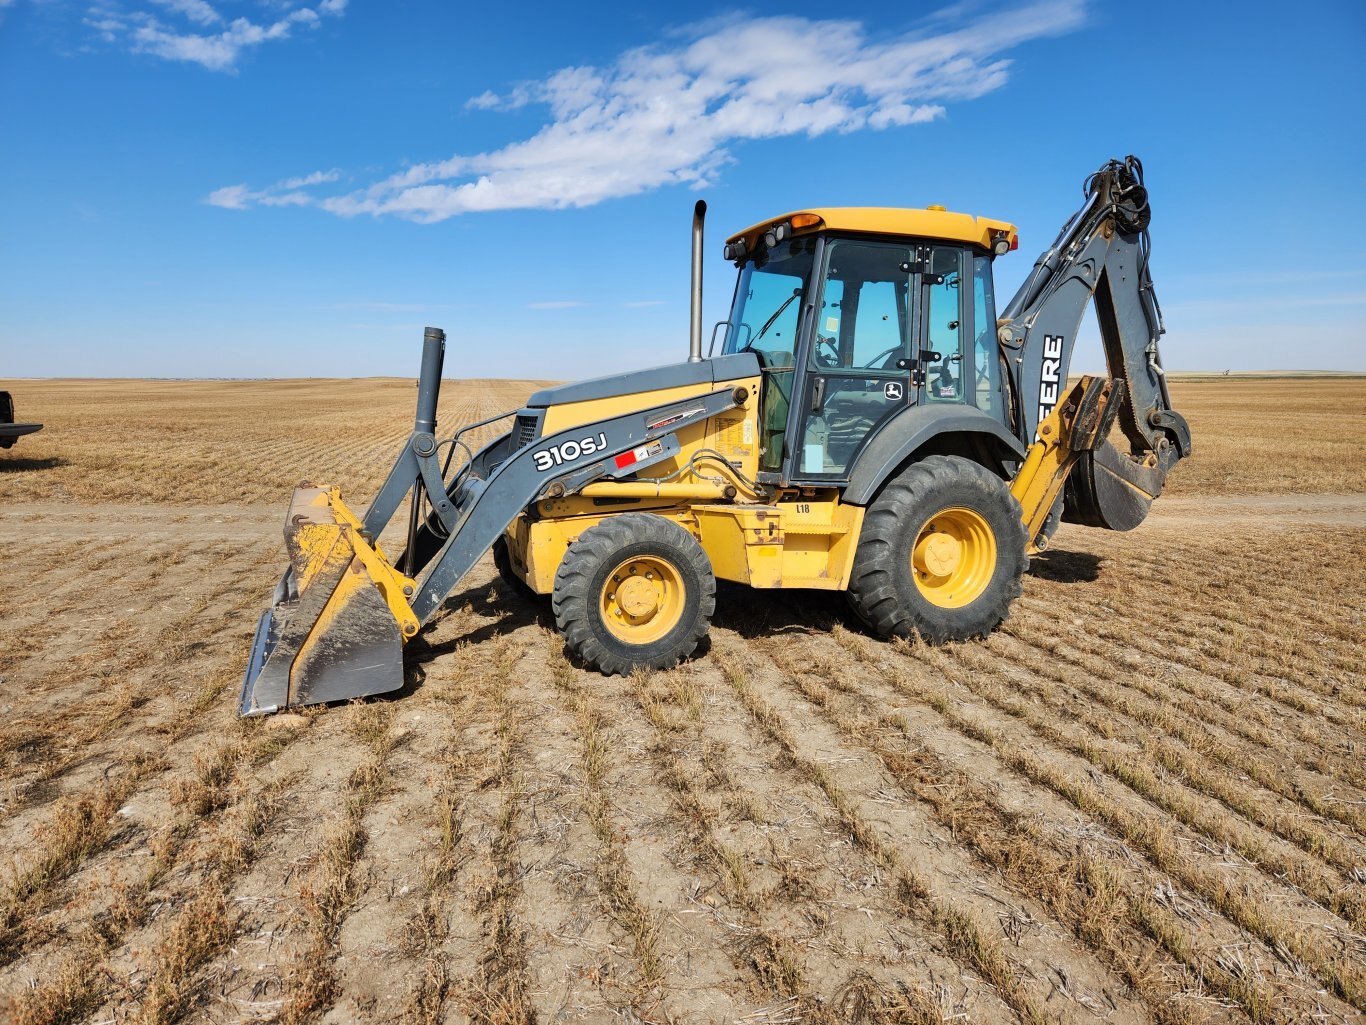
[502, 561]
[635, 591]
[941, 553]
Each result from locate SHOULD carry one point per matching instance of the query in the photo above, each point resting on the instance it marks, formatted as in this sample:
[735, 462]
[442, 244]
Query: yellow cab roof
[931, 222]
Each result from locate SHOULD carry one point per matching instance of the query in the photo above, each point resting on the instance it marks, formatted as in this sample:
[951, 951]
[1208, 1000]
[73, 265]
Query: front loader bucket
[336, 627]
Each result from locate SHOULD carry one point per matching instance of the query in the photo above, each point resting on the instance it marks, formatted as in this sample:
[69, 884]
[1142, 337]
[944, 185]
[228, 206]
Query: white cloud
[282, 193]
[669, 114]
[188, 40]
[316, 178]
[196, 10]
[231, 197]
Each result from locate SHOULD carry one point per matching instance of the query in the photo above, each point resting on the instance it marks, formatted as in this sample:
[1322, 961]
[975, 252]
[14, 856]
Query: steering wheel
[830, 359]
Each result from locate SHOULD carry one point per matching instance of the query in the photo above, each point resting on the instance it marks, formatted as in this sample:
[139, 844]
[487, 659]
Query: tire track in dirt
[1150, 633]
[1280, 802]
[497, 992]
[920, 888]
[70, 735]
[1263, 763]
[388, 943]
[675, 912]
[1251, 715]
[813, 928]
[437, 937]
[329, 892]
[541, 955]
[1143, 827]
[1078, 889]
[322, 754]
[780, 906]
[340, 931]
[1155, 905]
[769, 961]
[647, 980]
[1226, 817]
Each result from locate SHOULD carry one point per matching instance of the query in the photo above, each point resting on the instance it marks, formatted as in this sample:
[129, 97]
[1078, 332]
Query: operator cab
[856, 315]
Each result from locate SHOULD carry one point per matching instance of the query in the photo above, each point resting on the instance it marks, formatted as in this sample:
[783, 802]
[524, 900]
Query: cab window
[944, 377]
[862, 330]
[766, 311]
[764, 319]
[986, 362]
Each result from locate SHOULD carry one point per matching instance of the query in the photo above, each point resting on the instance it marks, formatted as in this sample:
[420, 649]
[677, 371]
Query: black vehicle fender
[928, 427]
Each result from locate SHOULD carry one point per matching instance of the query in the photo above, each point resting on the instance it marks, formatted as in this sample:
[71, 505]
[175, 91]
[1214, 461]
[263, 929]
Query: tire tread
[873, 586]
[574, 603]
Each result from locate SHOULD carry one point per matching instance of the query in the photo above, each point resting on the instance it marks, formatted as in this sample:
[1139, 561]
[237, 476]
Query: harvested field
[1143, 799]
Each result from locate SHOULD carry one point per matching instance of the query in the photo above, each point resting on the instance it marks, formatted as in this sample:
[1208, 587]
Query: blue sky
[270, 188]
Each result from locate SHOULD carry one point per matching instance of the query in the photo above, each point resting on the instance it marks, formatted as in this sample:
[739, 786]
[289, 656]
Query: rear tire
[635, 591]
[941, 553]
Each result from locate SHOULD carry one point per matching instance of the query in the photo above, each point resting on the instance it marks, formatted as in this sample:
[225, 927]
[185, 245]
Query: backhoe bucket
[336, 626]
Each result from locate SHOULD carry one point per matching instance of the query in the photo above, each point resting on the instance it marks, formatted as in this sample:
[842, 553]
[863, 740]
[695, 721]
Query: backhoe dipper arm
[1101, 252]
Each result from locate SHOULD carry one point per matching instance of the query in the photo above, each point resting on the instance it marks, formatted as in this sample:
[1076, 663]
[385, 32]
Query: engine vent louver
[524, 431]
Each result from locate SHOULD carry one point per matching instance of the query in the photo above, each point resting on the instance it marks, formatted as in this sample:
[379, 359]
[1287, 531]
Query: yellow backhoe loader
[870, 425]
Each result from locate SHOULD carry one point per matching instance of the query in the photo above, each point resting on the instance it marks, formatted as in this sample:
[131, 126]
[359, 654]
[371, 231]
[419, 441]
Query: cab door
[857, 367]
[945, 367]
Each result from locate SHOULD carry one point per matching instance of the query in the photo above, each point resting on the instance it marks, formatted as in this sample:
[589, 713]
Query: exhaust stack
[699, 213]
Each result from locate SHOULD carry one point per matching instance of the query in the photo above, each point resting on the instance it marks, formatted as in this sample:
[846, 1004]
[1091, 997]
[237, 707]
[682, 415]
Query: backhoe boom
[1101, 253]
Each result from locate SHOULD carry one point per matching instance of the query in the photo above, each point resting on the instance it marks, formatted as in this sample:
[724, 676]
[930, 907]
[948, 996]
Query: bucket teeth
[332, 632]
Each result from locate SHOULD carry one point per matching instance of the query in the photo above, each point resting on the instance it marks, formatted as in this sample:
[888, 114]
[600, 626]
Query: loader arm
[342, 611]
[1101, 253]
[486, 506]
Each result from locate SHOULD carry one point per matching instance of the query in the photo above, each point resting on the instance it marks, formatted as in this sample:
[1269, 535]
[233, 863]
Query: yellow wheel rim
[953, 558]
[642, 599]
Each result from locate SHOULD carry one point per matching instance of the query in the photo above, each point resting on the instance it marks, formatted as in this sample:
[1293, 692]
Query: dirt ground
[1142, 799]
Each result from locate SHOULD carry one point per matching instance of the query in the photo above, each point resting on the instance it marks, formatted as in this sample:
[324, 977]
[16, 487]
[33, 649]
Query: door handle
[817, 394]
